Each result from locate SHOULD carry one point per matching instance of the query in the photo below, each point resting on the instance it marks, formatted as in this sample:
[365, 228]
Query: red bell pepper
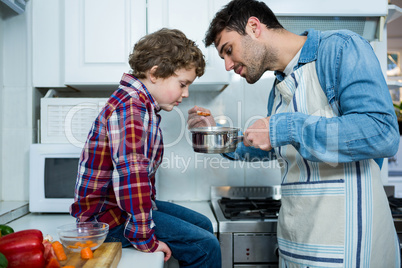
[23, 249]
[49, 251]
[32, 258]
[22, 233]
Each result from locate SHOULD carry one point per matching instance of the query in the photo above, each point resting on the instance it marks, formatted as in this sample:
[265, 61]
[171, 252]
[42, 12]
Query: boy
[116, 176]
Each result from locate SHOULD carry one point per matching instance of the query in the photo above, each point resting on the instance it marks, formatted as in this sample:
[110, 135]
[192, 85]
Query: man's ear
[253, 27]
[152, 72]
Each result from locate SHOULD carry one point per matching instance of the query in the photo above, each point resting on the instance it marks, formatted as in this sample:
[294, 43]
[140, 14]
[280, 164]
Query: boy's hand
[200, 117]
[165, 249]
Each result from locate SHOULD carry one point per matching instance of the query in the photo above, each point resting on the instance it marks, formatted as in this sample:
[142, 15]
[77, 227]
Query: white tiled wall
[186, 175]
[15, 106]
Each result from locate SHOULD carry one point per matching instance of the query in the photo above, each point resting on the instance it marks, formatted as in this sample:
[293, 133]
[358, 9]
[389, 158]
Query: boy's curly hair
[170, 50]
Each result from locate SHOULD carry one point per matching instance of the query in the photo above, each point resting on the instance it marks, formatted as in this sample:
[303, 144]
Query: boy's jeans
[188, 234]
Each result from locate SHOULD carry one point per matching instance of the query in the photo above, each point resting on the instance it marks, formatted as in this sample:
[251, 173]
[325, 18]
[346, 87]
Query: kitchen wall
[15, 104]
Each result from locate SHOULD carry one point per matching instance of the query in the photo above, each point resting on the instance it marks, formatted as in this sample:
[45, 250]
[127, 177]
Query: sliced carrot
[203, 113]
[92, 245]
[53, 263]
[59, 251]
[71, 246]
[86, 253]
[68, 266]
[88, 242]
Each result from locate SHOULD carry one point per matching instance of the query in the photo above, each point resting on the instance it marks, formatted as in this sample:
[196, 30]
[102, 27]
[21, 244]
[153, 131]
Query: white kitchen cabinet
[99, 36]
[84, 42]
[193, 18]
[47, 43]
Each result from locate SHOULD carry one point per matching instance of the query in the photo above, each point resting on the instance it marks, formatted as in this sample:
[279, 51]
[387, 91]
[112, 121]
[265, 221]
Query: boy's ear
[151, 72]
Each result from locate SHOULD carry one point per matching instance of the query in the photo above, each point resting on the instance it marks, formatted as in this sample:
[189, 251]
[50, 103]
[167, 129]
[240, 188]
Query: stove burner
[395, 205]
[249, 209]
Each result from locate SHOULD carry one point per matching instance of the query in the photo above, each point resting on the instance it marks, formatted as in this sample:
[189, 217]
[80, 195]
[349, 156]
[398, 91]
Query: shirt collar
[132, 82]
[309, 50]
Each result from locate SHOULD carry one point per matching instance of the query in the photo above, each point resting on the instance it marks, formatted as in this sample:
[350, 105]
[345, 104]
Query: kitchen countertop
[47, 223]
[11, 210]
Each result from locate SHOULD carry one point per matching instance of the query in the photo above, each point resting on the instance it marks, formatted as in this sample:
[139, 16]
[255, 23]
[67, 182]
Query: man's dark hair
[234, 17]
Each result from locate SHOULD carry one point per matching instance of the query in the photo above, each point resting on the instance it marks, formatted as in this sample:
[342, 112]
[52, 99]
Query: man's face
[246, 55]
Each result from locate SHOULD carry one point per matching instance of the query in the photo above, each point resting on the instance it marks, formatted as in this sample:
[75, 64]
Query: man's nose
[229, 64]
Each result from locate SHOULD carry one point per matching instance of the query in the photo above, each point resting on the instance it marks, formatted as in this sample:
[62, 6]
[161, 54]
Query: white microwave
[52, 175]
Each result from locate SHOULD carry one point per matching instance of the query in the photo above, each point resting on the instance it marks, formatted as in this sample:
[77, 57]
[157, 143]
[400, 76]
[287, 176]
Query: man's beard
[258, 59]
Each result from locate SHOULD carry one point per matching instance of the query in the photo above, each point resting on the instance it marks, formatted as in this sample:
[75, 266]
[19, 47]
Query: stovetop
[249, 209]
[262, 217]
[246, 209]
[395, 205]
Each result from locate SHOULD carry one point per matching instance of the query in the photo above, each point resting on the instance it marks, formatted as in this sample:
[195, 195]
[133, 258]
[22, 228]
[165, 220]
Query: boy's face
[169, 92]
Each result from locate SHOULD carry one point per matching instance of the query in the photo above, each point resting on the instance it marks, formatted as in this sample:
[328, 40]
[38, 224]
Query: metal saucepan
[215, 140]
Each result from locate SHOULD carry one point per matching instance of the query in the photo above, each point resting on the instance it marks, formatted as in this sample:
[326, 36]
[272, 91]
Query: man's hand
[257, 135]
[165, 249]
[198, 117]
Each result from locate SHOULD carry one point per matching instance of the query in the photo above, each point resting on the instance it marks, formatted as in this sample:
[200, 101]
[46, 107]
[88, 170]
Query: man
[330, 123]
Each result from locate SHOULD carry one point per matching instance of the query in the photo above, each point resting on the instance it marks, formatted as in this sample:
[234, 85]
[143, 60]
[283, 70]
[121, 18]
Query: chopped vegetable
[3, 261]
[49, 251]
[53, 263]
[48, 237]
[78, 244]
[203, 113]
[5, 230]
[59, 251]
[86, 253]
[68, 266]
[92, 245]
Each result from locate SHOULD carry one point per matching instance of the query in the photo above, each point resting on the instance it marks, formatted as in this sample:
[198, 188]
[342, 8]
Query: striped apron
[332, 214]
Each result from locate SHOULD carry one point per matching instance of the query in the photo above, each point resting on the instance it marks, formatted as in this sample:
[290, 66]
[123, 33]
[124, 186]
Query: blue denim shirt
[351, 77]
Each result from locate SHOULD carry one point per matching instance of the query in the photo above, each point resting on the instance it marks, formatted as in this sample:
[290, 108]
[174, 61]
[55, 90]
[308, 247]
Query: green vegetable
[3, 261]
[5, 230]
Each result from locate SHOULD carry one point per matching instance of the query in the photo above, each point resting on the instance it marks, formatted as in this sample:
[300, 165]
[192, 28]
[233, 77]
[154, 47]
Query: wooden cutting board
[107, 255]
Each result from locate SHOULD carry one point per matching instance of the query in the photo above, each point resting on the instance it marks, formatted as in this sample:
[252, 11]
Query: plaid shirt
[116, 176]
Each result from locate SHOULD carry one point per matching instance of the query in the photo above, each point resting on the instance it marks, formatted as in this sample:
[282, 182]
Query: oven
[396, 209]
[247, 220]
